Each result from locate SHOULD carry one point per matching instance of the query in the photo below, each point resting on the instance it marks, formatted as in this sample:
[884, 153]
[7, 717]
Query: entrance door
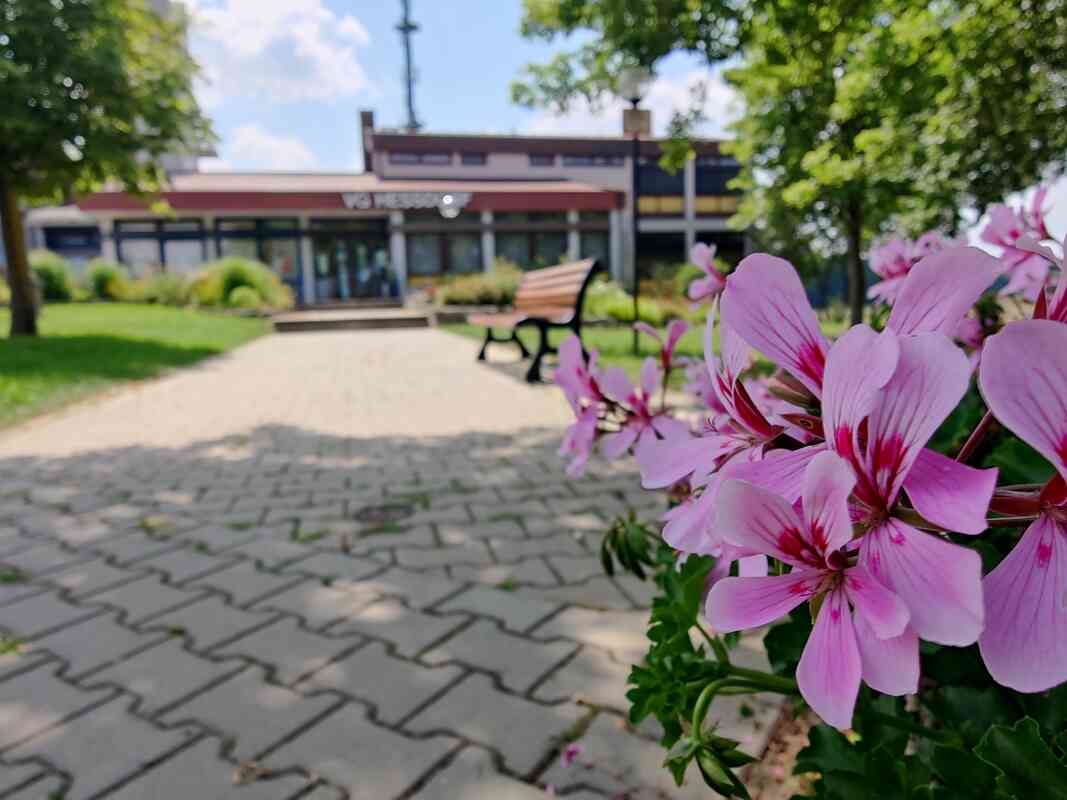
[352, 266]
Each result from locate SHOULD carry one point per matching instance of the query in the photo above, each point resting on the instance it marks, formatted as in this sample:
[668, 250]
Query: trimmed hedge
[53, 275]
[107, 280]
[215, 283]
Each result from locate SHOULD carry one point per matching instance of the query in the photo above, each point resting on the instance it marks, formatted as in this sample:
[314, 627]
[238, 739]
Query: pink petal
[670, 428]
[676, 329]
[615, 444]
[651, 376]
[648, 330]
[1024, 382]
[1024, 644]
[616, 384]
[734, 359]
[829, 670]
[828, 482]
[702, 255]
[780, 471]
[859, 365]
[754, 518]
[939, 582]
[890, 666]
[931, 378]
[664, 463]
[950, 494]
[765, 303]
[940, 289]
[752, 567]
[690, 527]
[702, 288]
[737, 604]
[880, 608]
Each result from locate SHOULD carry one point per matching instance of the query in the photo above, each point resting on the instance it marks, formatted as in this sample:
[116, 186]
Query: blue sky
[286, 78]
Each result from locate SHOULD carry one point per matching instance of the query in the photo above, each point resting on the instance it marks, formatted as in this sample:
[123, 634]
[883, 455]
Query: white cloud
[250, 147]
[276, 50]
[663, 98]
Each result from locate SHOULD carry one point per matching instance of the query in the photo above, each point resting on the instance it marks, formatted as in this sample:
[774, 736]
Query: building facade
[427, 207]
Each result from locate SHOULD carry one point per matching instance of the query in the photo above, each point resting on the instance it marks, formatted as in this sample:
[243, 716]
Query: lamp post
[633, 82]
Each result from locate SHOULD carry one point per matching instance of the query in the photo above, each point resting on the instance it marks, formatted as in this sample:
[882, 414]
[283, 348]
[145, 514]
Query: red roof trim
[320, 201]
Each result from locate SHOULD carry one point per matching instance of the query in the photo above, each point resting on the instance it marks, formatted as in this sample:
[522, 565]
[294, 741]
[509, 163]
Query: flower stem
[906, 725]
[976, 437]
[716, 644]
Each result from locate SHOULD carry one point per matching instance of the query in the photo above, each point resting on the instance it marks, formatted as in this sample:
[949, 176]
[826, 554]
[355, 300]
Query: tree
[91, 90]
[860, 117]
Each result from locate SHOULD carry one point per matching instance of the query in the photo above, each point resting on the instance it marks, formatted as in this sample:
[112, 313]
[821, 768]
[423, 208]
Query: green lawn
[87, 347]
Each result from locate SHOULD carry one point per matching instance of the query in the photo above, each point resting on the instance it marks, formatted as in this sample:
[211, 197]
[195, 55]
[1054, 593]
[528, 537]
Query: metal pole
[635, 192]
[406, 28]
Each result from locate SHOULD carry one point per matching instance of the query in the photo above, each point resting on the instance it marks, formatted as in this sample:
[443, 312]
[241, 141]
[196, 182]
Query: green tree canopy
[91, 90]
[859, 117]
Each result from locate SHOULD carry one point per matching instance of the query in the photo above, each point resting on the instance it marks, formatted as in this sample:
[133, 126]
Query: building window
[175, 245]
[656, 180]
[542, 160]
[464, 252]
[473, 159]
[398, 157]
[548, 249]
[716, 161]
[274, 241]
[592, 160]
[514, 247]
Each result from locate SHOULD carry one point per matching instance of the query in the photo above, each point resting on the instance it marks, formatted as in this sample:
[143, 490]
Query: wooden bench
[546, 299]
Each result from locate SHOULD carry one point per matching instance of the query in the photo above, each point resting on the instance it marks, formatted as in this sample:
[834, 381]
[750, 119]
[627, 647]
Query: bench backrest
[560, 287]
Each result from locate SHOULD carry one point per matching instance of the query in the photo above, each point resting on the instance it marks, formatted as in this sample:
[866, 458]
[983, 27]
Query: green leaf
[1049, 709]
[1028, 768]
[785, 641]
[1018, 462]
[964, 772]
[970, 711]
[829, 751]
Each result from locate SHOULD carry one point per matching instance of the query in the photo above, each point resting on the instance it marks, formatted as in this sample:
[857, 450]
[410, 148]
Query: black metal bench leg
[533, 375]
[522, 348]
[485, 345]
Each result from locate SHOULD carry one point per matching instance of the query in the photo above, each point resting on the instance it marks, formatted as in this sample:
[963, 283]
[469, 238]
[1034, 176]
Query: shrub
[244, 297]
[53, 275]
[496, 288]
[214, 284]
[5, 292]
[608, 300]
[107, 280]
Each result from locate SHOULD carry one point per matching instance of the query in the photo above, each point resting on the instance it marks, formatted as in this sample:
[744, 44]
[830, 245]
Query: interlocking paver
[518, 662]
[100, 747]
[210, 622]
[471, 776]
[395, 687]
[33, 701]
[245, 582]
[367, 760]
[335, 655]
[144, 598]
[250, 712]
[408, 631]
[162, 675]
[198, 772]
[39, 614]
[520, 730]
[516, 610]
[291, 651]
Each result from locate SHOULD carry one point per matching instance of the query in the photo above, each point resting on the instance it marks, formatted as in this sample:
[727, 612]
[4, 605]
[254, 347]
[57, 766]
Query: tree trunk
[857, 277]
[23, 296]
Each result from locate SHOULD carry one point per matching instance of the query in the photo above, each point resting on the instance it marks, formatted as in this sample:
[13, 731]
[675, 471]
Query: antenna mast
[406, 28]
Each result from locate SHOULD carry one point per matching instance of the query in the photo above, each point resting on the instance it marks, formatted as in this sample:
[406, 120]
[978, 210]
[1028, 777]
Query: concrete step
[349, 320]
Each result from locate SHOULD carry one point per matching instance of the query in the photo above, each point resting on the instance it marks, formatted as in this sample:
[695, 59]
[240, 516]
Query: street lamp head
[449, 207]
[633, 83]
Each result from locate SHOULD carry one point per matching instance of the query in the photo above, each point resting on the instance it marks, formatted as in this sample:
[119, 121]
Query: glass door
[352, 265]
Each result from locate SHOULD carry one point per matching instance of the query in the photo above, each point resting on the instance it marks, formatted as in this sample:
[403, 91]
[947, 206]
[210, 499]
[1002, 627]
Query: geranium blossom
[1024, 381]
[707, 288]
[642, 423]
[893, 260]
[1008, 228]
[676, 329]
[843, 646]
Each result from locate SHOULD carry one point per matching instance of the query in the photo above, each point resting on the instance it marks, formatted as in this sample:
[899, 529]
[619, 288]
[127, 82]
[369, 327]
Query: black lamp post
[633, 81]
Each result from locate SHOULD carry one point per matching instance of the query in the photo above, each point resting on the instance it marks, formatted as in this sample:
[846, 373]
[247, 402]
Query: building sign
[400, 201]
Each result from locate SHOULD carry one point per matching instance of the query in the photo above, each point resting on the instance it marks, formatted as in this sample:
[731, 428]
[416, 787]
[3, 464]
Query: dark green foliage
[496, 288]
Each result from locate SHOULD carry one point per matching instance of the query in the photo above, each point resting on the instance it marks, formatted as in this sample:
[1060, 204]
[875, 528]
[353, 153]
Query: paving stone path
[325, 566]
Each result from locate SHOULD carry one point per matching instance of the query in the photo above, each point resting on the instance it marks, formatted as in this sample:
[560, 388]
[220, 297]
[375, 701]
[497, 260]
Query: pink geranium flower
[578, 378]
[676, 329]
[1009, 228]
[1024, 381]
[642, 423]
[893, 260]
[707, 288]
[845, 645]
[578, 440]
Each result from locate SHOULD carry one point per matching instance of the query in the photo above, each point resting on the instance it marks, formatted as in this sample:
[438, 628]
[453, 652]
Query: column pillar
[307, 263]
[615, 236]
[488, 241]
[398, 256]
[574, 238]
[107, 240]
[690, 206]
